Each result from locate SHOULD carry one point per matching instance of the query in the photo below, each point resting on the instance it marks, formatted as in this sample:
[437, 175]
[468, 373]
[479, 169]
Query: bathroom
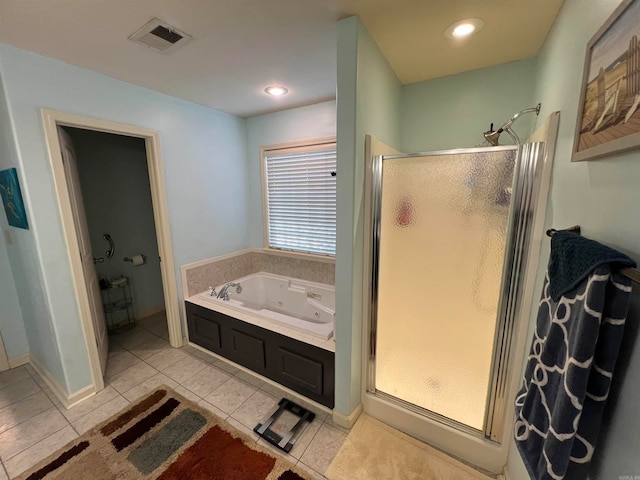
[432, 115]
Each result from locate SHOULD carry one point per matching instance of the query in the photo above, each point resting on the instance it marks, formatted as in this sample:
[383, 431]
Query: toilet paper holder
[136, 259]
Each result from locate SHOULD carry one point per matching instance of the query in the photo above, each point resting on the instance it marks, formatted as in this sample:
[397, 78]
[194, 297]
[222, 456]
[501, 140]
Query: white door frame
[51, 119]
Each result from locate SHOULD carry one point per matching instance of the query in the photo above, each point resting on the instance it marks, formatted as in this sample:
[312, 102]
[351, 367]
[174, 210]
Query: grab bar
[112, 248]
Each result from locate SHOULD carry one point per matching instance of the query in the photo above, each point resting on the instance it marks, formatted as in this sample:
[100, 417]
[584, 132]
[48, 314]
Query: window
[299, 186]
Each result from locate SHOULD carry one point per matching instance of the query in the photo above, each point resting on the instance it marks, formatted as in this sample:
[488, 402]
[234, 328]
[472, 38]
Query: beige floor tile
[165, 358]
[45, 388]
[250, 379]
[3, 473]
[274, 391]
[89, 405]
[148, 385]
[191, 350]
[188, 394]
[150, 347]
[185, 368]
[276, 451]
[246, 430]
[311, 472]
[132, 376]
[23, 410]
[254, 409]
[12, 376]
[305, 439]
[230, 395]
[204, 356]
[206, 381]
[114, 346]
[151, 320]
[161, 330]
[90, 420]
[227, 367]
[215, 410]
[323, 448]
[29, 457]
[18, 391]
[119, 361]
[329, 421]
[132, 338]
[30, 432]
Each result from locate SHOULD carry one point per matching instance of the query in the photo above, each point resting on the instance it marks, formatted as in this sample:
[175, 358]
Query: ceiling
[241, 46]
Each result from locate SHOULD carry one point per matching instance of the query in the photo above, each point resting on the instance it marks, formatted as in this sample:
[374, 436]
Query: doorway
[83, 285]
[117, 202]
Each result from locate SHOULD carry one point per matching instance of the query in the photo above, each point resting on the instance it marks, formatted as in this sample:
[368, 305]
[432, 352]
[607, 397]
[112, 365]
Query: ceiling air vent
[160, 36]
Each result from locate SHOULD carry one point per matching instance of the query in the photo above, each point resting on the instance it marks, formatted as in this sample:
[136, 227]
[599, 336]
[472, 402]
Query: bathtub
[304, 306]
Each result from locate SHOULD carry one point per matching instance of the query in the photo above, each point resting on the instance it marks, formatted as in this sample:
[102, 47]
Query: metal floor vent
[160, 36]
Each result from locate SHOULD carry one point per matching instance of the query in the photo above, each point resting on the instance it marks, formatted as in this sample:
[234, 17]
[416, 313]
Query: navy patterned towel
[571, 362]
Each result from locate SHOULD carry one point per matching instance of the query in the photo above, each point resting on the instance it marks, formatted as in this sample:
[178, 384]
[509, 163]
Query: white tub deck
[271, 301]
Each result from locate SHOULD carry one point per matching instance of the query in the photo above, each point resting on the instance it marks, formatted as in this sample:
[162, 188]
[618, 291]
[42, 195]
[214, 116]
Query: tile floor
[33, 424]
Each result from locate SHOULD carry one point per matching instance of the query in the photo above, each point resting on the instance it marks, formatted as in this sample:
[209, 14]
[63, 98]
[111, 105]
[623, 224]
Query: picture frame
[12, 199]
[609, 111]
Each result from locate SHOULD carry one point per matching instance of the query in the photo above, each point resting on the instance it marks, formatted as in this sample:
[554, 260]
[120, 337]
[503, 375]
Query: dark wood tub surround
[304, 368]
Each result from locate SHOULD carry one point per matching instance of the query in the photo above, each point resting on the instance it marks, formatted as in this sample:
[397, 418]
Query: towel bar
[631, 273]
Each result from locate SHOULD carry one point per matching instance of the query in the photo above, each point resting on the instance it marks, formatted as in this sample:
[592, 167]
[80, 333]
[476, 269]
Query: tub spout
[224, 293]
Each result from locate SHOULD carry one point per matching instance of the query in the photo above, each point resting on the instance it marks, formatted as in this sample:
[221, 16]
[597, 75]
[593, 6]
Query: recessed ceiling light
[276, 90]
[464, 28]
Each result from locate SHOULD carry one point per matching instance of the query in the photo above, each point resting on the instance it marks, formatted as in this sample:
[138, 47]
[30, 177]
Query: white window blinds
[300, 194]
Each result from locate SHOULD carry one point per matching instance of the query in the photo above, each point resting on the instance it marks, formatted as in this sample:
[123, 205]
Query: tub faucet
[223, 291]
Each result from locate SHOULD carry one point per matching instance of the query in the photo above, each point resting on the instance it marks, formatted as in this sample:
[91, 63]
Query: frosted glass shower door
[443, 222]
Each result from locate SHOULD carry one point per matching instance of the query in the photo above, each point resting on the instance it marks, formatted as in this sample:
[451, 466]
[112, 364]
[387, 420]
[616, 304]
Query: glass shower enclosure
[450, 230]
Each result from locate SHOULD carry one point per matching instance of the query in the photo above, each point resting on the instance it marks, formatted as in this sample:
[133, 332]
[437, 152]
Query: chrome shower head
[492, 135]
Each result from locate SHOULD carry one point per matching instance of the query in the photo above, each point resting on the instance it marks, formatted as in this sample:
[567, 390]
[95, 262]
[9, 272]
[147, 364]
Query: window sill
[299, 255]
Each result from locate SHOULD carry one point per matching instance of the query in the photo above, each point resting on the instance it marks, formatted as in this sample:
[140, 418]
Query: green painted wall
[454, 111]
[14, 335]
[368, 97]
[603, 197]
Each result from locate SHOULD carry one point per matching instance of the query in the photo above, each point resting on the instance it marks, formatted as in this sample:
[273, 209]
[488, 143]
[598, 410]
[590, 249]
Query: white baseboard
[347, 421]
[19, 360]
[67, 400]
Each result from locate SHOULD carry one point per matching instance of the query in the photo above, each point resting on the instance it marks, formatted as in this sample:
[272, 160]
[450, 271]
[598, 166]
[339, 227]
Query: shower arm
[507, 126]
[492, 135]
[512, 134]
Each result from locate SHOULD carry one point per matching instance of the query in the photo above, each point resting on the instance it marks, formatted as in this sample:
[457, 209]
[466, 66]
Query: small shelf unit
[118, 304]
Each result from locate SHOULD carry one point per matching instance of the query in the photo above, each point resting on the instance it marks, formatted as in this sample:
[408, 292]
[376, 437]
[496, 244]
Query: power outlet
[8, 238]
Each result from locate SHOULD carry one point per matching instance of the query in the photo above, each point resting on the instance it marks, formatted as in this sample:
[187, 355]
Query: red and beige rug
[163, 436]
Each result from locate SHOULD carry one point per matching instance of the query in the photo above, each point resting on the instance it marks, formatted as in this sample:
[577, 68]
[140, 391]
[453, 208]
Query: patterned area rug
[163, 436]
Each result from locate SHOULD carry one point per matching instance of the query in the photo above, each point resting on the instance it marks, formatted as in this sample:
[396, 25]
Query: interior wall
[603, 197]
[11, 322]
[454, 111]
[368, 103]
[117, 200]
[295, 124]
[204, 161]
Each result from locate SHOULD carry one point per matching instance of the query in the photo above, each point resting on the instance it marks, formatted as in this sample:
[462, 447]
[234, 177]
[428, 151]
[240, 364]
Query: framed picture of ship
[609, 111]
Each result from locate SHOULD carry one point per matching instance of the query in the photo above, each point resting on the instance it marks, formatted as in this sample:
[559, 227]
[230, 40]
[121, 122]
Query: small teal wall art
[12, 198]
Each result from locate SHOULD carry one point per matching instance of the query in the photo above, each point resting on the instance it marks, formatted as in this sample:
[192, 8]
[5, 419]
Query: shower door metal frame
[523, 199]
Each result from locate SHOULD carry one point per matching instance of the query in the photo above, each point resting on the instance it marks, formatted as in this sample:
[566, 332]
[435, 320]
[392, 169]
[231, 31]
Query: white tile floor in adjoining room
[33, 424]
